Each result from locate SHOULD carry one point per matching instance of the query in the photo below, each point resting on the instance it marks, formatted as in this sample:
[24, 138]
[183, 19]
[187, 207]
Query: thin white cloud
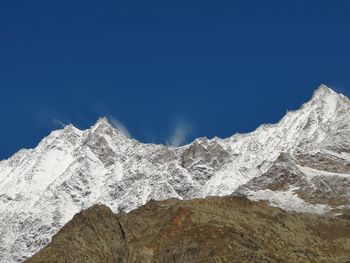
[119, 126]
[180, 133]
[57, 122]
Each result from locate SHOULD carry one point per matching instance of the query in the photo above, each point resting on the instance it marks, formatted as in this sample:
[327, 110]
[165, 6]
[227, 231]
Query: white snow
[288, 200]
[310, 172]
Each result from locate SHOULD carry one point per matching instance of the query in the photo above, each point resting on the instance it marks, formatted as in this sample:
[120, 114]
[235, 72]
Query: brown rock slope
[214, 229]
[93, 235]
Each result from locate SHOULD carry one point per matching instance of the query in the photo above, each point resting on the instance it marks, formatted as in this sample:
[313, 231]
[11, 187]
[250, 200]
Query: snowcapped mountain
[301, 163]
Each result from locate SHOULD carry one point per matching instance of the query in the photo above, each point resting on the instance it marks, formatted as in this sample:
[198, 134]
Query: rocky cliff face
[42, 188]
[215, 229]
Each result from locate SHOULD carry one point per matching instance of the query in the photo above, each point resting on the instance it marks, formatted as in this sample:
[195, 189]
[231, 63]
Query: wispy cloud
[119, 126]
[180, 133]
[57, 122]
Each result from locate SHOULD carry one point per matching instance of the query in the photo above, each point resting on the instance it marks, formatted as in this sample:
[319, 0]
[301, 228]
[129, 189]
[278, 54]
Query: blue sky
[199, 68]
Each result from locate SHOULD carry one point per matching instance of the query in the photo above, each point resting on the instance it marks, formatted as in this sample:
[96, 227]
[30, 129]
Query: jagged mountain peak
[323, 90]
[70, 131]
[103, 122]
[328, 100]
[101, 126]
[104, 126]
[321, 95]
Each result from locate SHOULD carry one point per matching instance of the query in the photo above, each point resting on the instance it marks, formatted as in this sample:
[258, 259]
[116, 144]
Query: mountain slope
[93, 235]
[215, 229]
[315, 182]
[42, 188]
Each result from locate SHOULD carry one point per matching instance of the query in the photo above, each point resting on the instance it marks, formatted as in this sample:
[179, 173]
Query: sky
[165, 71]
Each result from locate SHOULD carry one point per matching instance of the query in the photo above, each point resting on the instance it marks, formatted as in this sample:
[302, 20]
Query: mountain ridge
[225, 229]
[320, 91]
[70, 170]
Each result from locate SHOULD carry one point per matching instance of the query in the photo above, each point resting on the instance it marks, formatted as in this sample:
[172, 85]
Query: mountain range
[300, 164]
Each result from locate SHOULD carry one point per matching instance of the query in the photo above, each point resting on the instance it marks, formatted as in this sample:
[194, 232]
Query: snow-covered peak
[104, 127]
[101, 125]
[70, 128]
[102, 121]
[324, 98]
[326, 106]
[323, 91]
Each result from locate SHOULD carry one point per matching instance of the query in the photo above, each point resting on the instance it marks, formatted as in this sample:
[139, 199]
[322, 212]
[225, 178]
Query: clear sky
[202, 68]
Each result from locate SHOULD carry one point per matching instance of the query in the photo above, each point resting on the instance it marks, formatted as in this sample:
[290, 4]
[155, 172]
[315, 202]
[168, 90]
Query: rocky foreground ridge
[214, 229]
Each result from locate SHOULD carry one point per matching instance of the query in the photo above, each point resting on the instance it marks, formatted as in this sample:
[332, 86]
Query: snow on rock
[288, 200]
[42, 188]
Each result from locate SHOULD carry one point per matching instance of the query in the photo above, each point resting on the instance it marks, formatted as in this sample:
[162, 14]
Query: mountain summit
[301, 164]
